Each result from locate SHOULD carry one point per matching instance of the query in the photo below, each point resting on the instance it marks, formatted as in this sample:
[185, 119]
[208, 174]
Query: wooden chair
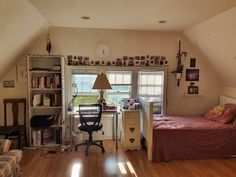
[17, 131]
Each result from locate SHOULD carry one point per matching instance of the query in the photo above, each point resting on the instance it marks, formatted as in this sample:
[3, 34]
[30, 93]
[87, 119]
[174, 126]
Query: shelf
[45, 72]
[44, 107]
[192, 95]
[45, 89]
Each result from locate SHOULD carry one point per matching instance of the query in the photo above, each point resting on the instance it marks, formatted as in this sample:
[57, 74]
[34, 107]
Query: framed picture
[192, 62]
[8, 84]
[192, 75]
[192, 89]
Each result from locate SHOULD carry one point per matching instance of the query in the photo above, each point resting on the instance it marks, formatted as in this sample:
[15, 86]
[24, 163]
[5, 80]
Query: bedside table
[130, 139]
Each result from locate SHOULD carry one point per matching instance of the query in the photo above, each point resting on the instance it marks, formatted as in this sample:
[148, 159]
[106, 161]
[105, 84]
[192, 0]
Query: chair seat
[90, 127]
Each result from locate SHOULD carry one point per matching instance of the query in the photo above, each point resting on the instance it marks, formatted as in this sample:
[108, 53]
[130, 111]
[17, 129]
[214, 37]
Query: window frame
[69, 70]
[163, 89]
[116, 92]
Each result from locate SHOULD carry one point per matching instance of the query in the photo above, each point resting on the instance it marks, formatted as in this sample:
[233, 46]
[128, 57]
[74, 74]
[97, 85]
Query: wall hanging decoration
[192, 75]
[180, 67]
[192, 62]
[49, 44]
[8, 84]
[192, 89]
[145, 60]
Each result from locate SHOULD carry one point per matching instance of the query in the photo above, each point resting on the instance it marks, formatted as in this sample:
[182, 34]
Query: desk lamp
[72, 101]
[101, 83]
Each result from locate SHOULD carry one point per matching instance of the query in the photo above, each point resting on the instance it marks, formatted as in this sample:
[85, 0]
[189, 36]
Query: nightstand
[130, 139]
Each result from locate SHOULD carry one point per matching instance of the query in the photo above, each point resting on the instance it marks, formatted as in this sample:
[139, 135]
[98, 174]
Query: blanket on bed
[192, 138]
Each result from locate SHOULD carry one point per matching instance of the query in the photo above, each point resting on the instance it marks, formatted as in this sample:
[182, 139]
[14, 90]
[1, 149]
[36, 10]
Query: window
[151, 86]
[84, 84]
[121, 86]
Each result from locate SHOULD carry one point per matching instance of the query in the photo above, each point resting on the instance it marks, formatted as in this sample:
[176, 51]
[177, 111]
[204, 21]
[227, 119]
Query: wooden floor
[115, 163]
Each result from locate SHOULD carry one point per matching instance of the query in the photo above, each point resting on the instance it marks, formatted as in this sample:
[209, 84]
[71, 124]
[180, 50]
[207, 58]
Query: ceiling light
[162, 21]
[85, 17]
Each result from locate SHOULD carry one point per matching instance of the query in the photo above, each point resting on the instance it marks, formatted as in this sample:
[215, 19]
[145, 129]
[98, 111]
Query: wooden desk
[114, 113]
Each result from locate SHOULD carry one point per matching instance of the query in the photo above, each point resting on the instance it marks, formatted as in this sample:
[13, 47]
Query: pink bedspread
[192, 138]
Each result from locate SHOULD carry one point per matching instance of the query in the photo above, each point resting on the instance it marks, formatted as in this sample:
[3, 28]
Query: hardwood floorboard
[117, 163]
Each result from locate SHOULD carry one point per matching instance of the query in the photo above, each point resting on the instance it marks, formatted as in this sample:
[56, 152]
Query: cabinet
[130, 130]
[46, 98]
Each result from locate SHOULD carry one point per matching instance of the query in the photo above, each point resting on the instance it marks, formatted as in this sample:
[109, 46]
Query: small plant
[179, 68]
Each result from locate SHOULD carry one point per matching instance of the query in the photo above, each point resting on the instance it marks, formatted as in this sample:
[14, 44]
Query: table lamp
[101, 83]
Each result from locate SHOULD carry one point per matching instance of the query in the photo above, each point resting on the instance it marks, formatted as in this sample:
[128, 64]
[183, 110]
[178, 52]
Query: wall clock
[102, 50]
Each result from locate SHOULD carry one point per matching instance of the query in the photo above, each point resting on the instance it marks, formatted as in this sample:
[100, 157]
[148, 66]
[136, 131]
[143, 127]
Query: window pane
[158, 80]
[84, 82]
[116, 98]
[119, 79]
[87, 99]
[150, 90]
[151, 80]
[157, 108]
[120, 88]
[158, 90]
[143, 90]
[143, 79]
[127, 79]
[112, 78]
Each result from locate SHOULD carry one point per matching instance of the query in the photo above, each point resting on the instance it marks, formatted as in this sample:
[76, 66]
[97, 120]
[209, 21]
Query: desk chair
[16, 130]
[90, 117]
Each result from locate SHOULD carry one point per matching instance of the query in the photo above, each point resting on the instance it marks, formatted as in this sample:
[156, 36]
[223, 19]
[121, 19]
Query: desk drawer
[131, 114]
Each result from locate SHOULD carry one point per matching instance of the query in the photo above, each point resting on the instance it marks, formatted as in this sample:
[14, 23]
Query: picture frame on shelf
[192, 75]
[193, 90]
[192, 62]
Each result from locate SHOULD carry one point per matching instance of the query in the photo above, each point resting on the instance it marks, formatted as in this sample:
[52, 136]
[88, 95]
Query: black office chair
[90, 117]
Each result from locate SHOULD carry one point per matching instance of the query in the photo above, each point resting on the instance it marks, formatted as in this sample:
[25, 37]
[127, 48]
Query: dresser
[130, 139]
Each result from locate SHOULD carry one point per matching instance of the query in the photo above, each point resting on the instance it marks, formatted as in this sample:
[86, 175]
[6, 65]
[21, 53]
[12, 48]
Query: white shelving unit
[48, 83]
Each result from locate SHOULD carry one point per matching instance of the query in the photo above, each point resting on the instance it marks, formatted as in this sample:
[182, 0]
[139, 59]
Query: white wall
[229, 91]
[20, 23]
[217, 40]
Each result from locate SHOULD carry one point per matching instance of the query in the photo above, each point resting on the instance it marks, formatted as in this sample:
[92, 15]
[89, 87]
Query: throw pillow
[215, 112]
[4, 146]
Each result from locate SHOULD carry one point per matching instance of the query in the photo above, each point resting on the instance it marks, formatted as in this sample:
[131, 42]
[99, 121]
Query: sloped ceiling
[216, 38]
[131, 14]
[20, 23]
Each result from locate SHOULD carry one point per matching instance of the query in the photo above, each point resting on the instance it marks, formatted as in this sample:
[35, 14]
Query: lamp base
[101, 100]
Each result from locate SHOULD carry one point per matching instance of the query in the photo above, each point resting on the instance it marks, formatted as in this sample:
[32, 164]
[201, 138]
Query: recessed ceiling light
[162, 21]
[85, 17]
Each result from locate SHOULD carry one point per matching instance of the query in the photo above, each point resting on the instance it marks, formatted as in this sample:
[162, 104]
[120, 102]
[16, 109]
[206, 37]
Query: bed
[175, 138]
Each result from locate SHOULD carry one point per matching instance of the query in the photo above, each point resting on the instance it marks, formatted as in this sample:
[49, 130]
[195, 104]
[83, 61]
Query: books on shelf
[36, 137]
[48, 82]
[47, 100]
[42, 136]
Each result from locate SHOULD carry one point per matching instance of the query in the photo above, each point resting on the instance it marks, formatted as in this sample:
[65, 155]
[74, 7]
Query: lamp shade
[101, 82]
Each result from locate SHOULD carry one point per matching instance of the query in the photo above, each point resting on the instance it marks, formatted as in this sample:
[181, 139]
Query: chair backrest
[90, 114]
[15, 110]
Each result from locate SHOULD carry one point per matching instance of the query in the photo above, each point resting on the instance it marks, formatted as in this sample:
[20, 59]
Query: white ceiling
[130, 14]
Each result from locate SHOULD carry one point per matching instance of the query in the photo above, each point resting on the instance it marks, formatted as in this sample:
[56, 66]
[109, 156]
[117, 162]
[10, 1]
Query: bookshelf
[46, 98]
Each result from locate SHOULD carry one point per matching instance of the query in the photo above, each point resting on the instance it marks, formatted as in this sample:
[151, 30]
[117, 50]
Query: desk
[114, 113]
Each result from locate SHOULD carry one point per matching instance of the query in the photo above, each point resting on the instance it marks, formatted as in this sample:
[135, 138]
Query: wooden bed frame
[147, 121]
